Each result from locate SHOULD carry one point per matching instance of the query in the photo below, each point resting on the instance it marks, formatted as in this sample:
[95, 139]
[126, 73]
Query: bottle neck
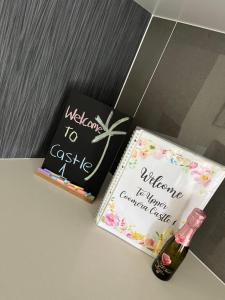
[184, 235]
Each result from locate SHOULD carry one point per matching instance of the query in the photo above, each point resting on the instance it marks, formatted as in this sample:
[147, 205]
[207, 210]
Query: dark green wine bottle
[175, 249]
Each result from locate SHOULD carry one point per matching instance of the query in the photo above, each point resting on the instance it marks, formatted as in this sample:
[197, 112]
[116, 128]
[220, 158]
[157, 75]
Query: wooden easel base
[64, 184]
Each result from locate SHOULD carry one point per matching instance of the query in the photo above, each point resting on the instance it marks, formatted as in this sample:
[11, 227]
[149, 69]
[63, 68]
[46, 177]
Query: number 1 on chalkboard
[62, 170]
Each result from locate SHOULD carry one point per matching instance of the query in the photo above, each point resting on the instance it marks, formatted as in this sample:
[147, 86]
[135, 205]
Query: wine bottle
[175, 249]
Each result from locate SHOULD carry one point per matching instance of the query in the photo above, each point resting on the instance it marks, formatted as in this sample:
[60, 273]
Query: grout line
[219, 279]
[155, 69]
[139, 47]
[189, 24]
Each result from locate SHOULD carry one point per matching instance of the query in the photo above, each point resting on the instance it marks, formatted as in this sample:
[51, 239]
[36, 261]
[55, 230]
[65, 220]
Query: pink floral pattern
[145, 148]
[113, 220]
[166, 261]
[202, 176]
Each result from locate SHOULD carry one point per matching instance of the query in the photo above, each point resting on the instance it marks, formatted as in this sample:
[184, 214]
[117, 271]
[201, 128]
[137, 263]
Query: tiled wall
[45, 45]
[177, 88]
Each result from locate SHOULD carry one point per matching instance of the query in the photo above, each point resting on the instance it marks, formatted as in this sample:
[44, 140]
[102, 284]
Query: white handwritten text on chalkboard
[71, 134]
[70, 158]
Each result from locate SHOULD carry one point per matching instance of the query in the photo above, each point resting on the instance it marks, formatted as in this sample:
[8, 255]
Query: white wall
[203, 13]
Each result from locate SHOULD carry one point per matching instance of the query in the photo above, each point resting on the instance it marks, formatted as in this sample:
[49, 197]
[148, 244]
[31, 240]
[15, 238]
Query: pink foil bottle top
[194, 221]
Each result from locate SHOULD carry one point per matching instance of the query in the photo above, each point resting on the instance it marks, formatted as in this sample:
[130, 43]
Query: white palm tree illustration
[108, 133]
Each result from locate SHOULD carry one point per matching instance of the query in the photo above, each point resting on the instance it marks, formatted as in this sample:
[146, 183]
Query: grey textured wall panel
[44, 46]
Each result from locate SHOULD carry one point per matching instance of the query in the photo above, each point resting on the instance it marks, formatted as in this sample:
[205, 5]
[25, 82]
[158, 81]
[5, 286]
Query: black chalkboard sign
[86, 142]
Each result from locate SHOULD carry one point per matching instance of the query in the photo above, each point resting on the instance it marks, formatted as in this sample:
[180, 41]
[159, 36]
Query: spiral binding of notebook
[123, 163]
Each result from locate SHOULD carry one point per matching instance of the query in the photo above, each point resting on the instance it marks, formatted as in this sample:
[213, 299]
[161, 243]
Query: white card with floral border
[155, 187]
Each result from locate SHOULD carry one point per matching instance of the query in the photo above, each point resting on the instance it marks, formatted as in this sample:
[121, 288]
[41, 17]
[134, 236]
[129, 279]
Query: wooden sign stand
[64, 184]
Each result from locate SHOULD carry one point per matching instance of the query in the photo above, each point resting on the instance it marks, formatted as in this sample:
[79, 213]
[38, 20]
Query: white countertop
[51, 249]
